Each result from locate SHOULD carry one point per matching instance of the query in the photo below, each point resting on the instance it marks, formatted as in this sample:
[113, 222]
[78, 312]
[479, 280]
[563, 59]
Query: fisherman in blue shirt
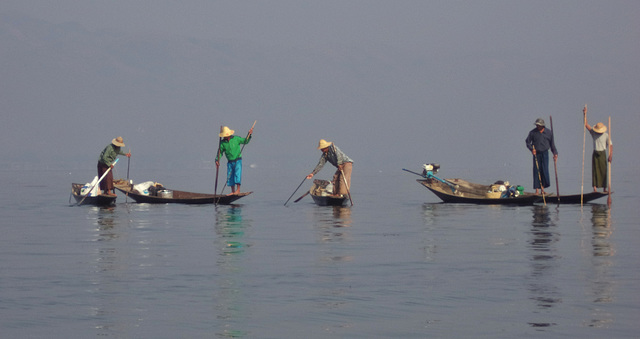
[539, 141]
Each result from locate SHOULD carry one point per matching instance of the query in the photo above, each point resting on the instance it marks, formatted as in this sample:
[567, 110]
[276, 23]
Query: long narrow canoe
[574, 198]
[98, 200]
[323, 198]
[180, 197]
[460, 191]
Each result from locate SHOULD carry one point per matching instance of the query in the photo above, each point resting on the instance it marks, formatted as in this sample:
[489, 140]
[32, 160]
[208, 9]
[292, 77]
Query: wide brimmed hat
[226, 132]
[599, 128]
[118, 142]
[324, 144]
[540, 122]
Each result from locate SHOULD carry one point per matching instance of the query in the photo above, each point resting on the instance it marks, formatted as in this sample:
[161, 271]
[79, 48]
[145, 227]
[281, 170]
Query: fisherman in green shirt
[230, 146]
[105, 161]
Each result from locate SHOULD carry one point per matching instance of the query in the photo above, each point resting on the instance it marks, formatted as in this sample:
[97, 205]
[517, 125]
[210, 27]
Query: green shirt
[109, 154]
[231, 148]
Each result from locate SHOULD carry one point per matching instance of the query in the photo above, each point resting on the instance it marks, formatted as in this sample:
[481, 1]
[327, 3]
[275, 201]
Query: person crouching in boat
[107, 157]
[230, 147]
[344, 164]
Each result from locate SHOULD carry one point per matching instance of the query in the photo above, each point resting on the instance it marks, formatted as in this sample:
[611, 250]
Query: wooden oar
[126, 196]
[584, 136]
[343, 178]
[304, 195]
[97, 183]
[347, 186]
[609, 166]
[535, 157]
[294, 192]
[444, 181]
[217, 162]
[416, 173]
[248, 135]
[555, 163]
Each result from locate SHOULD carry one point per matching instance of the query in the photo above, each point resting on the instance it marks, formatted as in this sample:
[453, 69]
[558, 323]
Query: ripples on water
[260, 270]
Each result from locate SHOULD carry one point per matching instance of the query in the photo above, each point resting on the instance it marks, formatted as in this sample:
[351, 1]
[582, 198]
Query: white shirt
[600, 140]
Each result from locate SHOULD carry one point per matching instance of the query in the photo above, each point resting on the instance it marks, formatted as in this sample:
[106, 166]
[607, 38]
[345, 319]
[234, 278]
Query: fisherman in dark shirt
[106, 161]
[539, 141]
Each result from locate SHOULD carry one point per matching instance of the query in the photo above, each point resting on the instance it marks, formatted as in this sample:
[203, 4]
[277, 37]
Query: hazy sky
[393, 83]
[413, 26]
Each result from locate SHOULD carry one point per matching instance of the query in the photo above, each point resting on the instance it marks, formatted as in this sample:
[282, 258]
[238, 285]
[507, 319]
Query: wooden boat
[464, 192]
[573, 198]
[323, 197]
[98, 200]
[179, 197]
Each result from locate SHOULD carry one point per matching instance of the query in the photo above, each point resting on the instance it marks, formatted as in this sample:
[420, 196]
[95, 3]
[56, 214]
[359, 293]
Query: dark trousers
[543, 164]
[106, 185]
[599, 169]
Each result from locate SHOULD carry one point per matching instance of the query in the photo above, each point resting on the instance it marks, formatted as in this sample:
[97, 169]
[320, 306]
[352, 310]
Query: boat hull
[470, 193]
[574, 198]
[98, 200]
[322, 198]
[329, 201]
[181, 197]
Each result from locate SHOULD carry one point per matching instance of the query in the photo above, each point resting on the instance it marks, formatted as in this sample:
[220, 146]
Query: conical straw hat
[324, 144]
[600, 128]
[226, 132]
[118, 142]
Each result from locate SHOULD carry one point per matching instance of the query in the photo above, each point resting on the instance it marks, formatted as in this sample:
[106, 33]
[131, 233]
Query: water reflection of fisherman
[230, 227]
[342, 216]
[601, 220]
[600, 279]
[109, 263]
[543, 259]
[332, 222]
[230, 297]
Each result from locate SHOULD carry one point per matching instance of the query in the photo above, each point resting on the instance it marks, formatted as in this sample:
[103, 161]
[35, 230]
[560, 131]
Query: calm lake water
[398, 264]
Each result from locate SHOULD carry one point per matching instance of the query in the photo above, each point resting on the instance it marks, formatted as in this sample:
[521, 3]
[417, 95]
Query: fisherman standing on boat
[344, 164]
[539, 141]
[107, 157]
[601, 143]
[230, 146]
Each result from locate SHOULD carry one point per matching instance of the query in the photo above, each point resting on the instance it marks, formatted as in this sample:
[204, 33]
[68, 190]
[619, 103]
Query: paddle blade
[304, 195]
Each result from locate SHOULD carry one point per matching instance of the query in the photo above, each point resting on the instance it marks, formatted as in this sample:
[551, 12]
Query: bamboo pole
[555, 163]
[584, 138]
[609, 165]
